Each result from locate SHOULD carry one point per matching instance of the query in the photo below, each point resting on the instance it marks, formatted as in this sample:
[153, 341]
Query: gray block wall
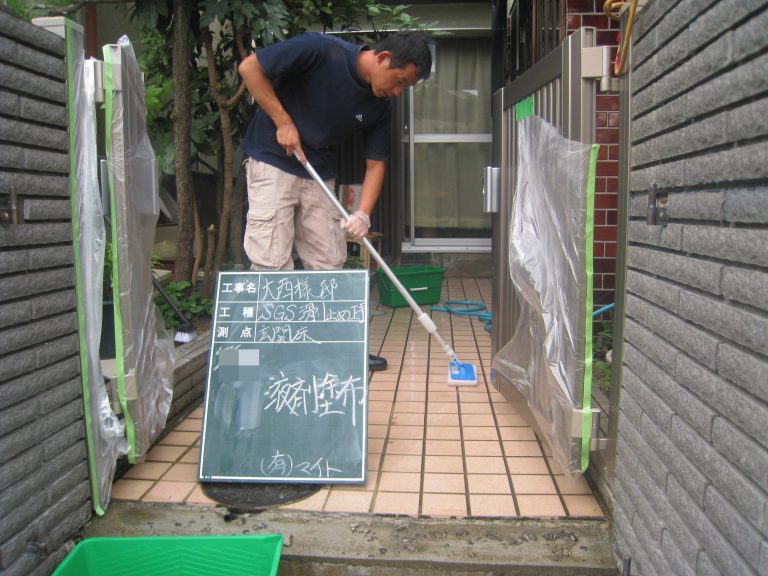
[44, 490]
[691, 493]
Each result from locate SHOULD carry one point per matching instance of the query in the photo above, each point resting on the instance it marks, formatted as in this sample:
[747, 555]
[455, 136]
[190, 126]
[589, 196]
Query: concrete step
[350, 544]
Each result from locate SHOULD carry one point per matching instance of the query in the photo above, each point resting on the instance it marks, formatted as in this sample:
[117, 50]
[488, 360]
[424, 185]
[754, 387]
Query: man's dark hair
[408, 48]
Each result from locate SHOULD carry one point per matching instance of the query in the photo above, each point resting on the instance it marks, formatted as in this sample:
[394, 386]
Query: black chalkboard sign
[286, 396]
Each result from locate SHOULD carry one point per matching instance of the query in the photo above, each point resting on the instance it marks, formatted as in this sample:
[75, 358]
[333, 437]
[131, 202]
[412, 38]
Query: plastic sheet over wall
[144, 362]
[104, 431]
[549, 357]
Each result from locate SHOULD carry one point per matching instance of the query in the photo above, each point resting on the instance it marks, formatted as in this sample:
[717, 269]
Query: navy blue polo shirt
[315, 78]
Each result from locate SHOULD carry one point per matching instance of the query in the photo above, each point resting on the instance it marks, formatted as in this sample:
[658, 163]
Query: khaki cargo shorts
[285, 212]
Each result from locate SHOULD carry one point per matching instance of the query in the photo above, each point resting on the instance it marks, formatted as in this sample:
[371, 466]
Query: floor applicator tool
[459, 373]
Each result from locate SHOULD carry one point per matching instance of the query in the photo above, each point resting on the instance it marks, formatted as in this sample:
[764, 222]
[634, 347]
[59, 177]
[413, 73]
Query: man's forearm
[372, 183]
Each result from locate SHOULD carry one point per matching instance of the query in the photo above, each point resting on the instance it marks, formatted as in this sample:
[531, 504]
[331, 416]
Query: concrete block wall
[44, 490]
[691, 491]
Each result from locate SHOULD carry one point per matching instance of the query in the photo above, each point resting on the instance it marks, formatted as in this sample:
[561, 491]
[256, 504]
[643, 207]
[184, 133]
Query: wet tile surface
[433, 449]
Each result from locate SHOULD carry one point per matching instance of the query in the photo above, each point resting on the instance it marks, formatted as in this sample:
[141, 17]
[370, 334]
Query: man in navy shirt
[313, 92]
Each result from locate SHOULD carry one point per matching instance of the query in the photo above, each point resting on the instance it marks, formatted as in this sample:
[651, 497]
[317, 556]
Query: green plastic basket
[242, 555]
[424, 284]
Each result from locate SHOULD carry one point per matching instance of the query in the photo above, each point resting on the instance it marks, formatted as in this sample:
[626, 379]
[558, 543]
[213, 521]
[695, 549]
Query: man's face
[389, 82]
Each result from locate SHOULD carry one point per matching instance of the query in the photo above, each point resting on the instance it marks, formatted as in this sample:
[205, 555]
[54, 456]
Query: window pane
[456, 99]
[448, 190]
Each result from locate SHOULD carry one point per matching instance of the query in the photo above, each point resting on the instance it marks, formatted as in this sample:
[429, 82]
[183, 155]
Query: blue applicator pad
[461, 374]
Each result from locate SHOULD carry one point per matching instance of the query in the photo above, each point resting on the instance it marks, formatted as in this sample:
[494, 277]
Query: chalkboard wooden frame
[286, 397]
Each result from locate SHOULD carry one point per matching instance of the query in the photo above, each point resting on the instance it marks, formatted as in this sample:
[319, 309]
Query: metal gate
[561, 90]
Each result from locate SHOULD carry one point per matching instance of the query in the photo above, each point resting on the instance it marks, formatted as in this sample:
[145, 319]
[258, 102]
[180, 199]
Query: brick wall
[44, 491]
[590, 13]
[691, 491]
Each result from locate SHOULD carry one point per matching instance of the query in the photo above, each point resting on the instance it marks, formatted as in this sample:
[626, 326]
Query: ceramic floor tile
[477, 420]
[377, 430]
[379, 406]
[382, 384]
[540, 506]
[485, 465]
[569, 486]
[180, 438]
[408, 419]
[348, 501]
[519, 433]
[312, 503]
[169, 492]
[444, 464]
[496, 505]
[369, 486]
[374, 461]
[375, 445]
[583, 506]
[405, 406]
[186, 472]
[522, 448]
[474, 400]
[527, 466]
[443, 419]
[387, 396]
[197, 412]
[396, 503]
[443, 448]
[444, 483]
[406, 432]
[482, 448]
[401, 463]
[439, 396]
[381, 418]
[147, 471]
[126, 489]
[399, 482]
[189, 425]
[444, 504]
[411, 395]
[198, 497]
[162, 453]
[405, 446]
[418, 385]
[510, 420]
[533, 484]
[191, 456]
[488, 484]
[503, 407]
[443, 433]
[480, 433]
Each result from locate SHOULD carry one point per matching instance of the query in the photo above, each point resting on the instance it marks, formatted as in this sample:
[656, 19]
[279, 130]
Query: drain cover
[254, 497]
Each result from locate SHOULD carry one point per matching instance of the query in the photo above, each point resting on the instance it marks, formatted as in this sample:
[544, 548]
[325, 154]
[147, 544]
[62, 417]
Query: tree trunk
[208, 269]
[182, 127]
[236, 224]
[198, 246]
[226, 197]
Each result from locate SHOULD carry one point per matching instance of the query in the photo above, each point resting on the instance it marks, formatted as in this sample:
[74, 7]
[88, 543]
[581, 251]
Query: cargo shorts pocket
[264, 240]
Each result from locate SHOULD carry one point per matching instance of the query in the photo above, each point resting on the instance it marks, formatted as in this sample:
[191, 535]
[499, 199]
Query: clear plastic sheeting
[549, 357]
[144, 362]
[105, 432]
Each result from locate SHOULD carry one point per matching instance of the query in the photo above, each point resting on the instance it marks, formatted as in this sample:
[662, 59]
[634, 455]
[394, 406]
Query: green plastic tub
[255, 555]
[423, 283]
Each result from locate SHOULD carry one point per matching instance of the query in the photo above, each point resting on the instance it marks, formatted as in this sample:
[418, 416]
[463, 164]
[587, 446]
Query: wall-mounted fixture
[657, 214]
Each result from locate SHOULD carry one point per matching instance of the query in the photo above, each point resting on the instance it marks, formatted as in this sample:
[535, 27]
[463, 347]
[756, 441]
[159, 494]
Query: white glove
[357, 225]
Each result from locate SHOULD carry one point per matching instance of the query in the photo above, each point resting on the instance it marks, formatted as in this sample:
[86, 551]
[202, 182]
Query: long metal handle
[423, 317]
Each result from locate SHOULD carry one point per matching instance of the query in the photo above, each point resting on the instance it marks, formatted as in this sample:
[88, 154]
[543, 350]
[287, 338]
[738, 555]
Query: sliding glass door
[446, 142]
